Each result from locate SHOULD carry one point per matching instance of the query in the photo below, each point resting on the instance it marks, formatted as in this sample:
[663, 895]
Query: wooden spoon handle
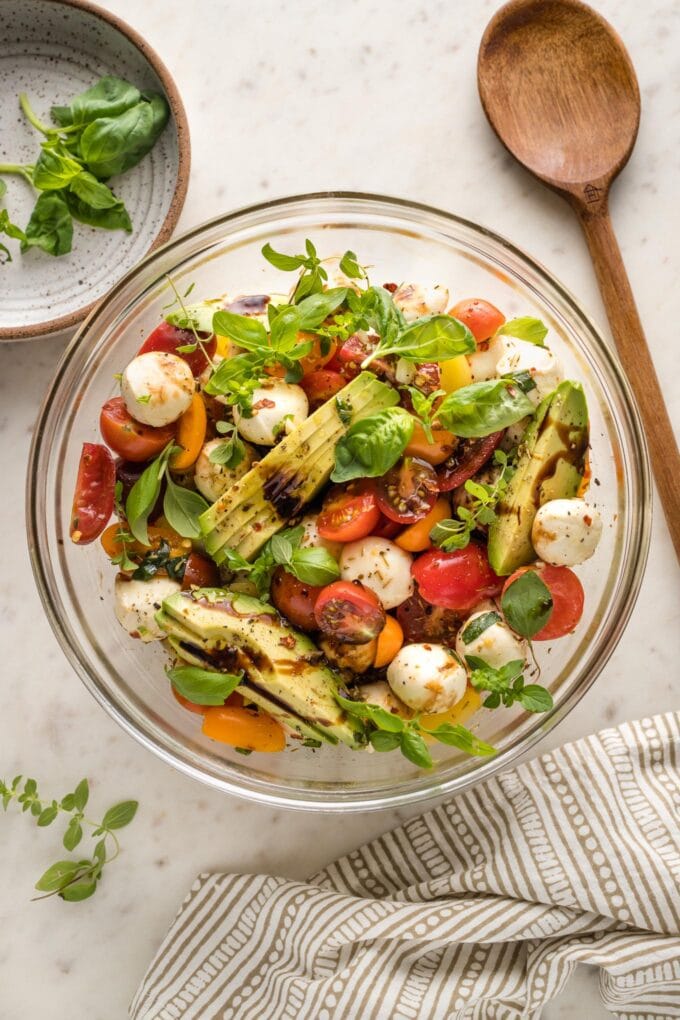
[636, 360]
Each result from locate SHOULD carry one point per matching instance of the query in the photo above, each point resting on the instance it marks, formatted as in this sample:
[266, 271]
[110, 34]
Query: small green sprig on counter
[456, 532]
[105, 130]
[506, 685]
[71, 879]
[392, 731]
[314, 565]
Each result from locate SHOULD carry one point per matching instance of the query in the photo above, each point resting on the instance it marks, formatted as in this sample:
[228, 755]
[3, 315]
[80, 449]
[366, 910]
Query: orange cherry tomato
[416, 538]
[481, 317]
[316, 358]
[241, 727]
[129, 438]
[190, 434]
[434, 453]
[113, 546]
[390, 640]
[190, 706]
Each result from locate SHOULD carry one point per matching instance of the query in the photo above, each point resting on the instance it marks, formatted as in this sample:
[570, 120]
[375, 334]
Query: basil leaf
[109, 97]
[281, 549]
[235, 373]
[527, 604]
[383, 740]
[246, 330]
[350, 266]
[230, 453]
[535, 698]
[75, 892]
[202, 686]
[525, 328]
[458, 736]
[199, 317]
[143, 495]
[314, 309]
[314, 566]
[380, 717]
[477, 627]
[113, 217]
[182, 508]
[120, 815]
[433, 338]
[92, 192]
[415, 749]
[382, 314]
[50, 226]
[57, 876]
[287, 263]
[482, 408]
[373, 445]
[53, 171]
[111, 145]
[9, 228]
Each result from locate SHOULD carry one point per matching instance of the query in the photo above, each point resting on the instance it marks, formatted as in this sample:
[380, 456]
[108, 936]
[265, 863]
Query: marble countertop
[372, 95]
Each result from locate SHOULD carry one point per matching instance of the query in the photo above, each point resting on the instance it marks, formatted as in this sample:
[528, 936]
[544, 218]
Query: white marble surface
[284, 98]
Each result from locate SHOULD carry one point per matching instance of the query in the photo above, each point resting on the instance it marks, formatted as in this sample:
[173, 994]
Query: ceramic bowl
[52, 50]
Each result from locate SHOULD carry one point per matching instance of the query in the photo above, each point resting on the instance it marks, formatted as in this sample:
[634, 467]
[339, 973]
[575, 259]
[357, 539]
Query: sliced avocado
[290, 475]
[550, 466]
[284, 670]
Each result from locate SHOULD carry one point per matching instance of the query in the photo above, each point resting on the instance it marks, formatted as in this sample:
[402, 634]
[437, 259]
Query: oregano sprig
[71, 879]
[506, 685]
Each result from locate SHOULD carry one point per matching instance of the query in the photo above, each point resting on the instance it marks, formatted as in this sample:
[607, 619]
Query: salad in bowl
[348, 509]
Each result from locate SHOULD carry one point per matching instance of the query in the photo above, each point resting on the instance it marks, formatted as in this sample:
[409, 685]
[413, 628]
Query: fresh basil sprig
[391, 731]
[372, 445]
[506, 685]
[482, 408]
[425, 409]
[525, 328]
[313, 275]
[203, 686]
[456, 532]
[314, 566]
[181, 506]
[430, 338]
[231, 452]
[527, 604]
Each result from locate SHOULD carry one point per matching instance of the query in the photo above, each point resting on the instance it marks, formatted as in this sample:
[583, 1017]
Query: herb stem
[191, 325]
[31, 116]
[17, 168]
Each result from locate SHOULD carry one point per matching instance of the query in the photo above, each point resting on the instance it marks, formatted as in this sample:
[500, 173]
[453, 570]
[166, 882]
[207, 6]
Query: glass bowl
[401, 241]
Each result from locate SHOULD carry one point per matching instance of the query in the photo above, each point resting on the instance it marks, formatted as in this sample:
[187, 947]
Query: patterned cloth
[481, 908]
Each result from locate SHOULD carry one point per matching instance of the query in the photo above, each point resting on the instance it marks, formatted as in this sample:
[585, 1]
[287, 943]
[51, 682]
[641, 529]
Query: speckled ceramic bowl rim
[183, 167]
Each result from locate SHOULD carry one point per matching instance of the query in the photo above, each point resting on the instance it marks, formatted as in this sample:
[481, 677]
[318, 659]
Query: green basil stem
[197, 338]
[30, 115]
[16, 168]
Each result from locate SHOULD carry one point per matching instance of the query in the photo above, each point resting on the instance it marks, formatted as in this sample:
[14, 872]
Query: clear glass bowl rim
[405, 792]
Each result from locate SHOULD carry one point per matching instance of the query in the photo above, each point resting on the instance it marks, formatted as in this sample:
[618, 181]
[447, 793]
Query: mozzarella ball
[381, 566]
[137, 602]
[381, 694]
[414, 300]
[539, 362]
[427, 678]
[157, 388]
[213, 479]
[484, 360]
[312, 539]
[566, 532]
[278, 408]
[496, 644]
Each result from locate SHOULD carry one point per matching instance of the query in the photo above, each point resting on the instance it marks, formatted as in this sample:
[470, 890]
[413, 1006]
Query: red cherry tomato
[568, 598]
[168, 338]
[422, 622]
[348, 514]
[93, 498]
[480, 317]
[456, 580]
[466, 461]
[200, 573]
[321, 385]
[349, 613]
[347, 359]
[408, 491]
[385, 528]
[295, 600]
[129, 438]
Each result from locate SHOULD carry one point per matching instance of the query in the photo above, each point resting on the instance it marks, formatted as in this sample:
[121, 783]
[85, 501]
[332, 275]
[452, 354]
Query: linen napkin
[481, 908]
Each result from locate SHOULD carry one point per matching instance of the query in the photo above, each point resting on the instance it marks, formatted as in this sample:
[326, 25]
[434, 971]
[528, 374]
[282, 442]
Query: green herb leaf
[432, 338]
[317, 307]
[245, 330]
[203, 686]
[380, 717]
[120, 815]
[48, 815]
[350, 267]
[525, 328]
[54, 171]
[373, 445]
[81, 794]
[458, 736]
[73, 834]
[477, 627]
[109, 97]
[57, 876]
[50, 226]
[91, 202]
[314, 566]
[231, 452]
[287, 263]
[535, 698]
[82, 889]
[484, 407]
[182, 508]
[143, 495]
[383, 740]
[111, 145]
[415, 749]
[527, 604]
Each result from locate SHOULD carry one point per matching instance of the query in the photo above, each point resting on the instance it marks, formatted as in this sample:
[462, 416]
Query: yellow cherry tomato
[190, 434]
[458, 715]
[225, 346]
[416, 538]
[390, 640]
[455, 373]
[240, 727]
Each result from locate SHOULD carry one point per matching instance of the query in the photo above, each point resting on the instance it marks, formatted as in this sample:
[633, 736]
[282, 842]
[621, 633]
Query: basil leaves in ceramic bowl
[94, 160]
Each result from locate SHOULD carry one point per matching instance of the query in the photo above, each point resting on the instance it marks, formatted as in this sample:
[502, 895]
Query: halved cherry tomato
[434, 453]
[129, 438]
[323, 351]
[390, 640]
[112, 545]
[348, 514]
[416, 538]
[168, 338]
[241, 727]
[481, 317]
[93, 497]
[456, 580]
[455, 373]
[295, 599]
[568, 598]
[408, 491]
[190, 434]
[422, 622]
[190, 706]
[350, 613]
[470, 455]
[199, 572]
[347, 359]
[321, 385]
[385, 528]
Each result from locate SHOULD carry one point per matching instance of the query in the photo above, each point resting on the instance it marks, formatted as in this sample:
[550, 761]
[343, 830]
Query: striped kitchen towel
[481, 908]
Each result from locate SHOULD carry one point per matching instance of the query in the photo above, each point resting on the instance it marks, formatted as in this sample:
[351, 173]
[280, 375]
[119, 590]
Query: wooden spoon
[560, 92]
